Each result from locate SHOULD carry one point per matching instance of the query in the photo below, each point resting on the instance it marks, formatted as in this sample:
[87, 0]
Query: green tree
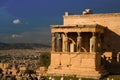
[44, 59]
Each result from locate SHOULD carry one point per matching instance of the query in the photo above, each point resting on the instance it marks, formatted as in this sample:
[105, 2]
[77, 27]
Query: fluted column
[79, 42]
[93, 43]
[53, 42]
[59, 42]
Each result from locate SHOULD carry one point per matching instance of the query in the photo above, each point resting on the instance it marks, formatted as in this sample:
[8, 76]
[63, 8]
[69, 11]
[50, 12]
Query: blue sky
[29, 21]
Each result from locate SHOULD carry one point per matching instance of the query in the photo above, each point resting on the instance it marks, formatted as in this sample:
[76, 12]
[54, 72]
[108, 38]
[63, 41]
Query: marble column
[59, 42]
[72, 47]
[79, 42]
[93, 43]
[53, 42]
[66, 42]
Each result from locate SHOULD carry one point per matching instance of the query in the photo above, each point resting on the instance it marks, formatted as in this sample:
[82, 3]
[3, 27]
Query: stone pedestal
[80, 64]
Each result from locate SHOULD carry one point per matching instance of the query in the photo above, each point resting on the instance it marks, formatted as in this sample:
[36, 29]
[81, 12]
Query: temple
[79, 45]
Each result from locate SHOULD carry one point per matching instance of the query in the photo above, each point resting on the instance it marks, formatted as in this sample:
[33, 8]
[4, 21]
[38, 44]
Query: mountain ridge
[6, 46]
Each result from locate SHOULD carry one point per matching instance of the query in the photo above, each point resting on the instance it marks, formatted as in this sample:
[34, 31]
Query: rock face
[86, 45]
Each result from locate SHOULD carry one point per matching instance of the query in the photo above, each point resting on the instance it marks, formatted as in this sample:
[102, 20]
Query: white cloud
[16, 21]
[16, 36]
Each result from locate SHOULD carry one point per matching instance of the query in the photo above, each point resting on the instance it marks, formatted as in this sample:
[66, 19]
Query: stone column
[79, 42]
[93, 43]
[59, 42]
[66, 42]
[72, 47]
[53, 42]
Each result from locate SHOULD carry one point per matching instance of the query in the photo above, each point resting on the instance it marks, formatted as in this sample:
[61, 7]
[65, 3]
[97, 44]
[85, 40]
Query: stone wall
[80, 64]
[108, 20]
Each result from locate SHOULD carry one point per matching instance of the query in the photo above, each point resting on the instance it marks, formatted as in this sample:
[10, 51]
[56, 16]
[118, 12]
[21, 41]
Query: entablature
[77, 28]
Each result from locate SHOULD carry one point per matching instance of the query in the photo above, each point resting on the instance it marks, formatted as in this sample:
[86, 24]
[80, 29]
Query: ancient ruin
[86, 45]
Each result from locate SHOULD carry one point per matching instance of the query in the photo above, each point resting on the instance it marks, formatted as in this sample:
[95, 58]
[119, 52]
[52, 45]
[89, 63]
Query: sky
[28, 21]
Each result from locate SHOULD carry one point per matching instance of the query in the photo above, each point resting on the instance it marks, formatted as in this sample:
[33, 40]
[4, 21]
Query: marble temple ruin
[86, 45]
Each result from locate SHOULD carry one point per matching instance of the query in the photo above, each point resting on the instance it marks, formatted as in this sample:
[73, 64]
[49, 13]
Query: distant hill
[6, 46]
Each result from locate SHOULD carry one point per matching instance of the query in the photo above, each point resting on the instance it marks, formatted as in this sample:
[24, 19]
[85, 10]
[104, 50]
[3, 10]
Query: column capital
[93, 33]
[59, 34]
[79, 33]
[65, 34]
[53, 34]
